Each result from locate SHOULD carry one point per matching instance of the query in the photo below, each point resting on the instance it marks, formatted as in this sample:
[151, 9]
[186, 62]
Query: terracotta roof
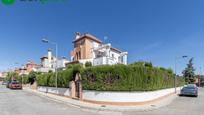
[89, 36]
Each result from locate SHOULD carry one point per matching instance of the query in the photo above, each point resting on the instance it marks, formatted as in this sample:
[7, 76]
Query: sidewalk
[98, 107]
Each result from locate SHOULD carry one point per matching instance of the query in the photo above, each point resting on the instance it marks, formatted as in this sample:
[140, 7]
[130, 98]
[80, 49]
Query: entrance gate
[76, 87]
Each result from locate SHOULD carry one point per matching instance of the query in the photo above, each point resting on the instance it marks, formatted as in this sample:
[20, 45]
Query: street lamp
[56, 48]
[176, 58]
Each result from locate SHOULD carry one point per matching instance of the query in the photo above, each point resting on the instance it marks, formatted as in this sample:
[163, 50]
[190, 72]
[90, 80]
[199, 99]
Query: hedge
[48, 79]
[134, 77]
[127, 78]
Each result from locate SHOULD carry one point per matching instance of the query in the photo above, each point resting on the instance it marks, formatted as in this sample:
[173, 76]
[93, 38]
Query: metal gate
[78, 86]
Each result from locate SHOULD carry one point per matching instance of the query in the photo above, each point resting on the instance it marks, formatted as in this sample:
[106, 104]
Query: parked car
[189, 90]
[4, 83]
[15, 85]
[192, 85]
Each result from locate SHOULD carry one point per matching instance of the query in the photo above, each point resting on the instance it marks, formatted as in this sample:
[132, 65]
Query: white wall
[53, 90]
[83, 61]
[116, 55]
[99, 61]
[125, 96]
[106, 96]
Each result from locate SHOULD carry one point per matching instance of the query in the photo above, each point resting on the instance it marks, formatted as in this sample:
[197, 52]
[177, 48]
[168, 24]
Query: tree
[188, 72]
[12, 76]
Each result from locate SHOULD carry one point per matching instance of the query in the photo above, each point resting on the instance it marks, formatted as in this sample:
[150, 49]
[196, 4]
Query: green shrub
[88, 64]
[134, 77]
[63, 78]
[25, 79]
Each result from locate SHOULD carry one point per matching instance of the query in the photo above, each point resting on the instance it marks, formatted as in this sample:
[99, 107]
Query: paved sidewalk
[97, 107]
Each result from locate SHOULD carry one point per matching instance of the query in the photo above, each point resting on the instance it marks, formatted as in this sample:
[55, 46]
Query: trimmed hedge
[134, 77]
[127, 78]
[48, 79]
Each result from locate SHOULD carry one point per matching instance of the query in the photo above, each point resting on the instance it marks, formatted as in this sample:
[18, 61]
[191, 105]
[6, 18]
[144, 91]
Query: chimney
[49, 56]
[77, 35]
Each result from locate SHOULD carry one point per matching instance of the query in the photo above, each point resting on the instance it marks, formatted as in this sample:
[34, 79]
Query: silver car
[4, 82]
[189, 90]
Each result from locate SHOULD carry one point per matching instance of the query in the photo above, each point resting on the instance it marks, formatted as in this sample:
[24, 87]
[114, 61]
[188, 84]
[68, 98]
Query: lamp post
[176, 58]
[56, 48]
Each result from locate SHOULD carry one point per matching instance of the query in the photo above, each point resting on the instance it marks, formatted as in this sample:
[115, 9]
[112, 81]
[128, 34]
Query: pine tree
[188, 72]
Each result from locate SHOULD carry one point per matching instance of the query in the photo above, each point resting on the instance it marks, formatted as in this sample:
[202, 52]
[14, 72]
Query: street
[19, 102]
[180, 106]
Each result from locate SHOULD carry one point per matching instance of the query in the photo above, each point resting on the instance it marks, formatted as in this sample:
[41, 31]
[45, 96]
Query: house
[62, 63]
[48, 63]
[23, 71]
[4, 74]
[1, 76]
[30, 66]
[88, 48]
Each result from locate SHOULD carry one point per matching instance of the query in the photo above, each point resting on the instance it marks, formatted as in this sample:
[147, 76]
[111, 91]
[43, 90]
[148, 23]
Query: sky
[149, 30]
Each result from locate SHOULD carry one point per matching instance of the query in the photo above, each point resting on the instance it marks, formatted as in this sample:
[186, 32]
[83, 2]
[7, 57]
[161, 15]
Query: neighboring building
[30, 66]
[4, 74]
[48, 63]
[62, 63]
[1, 76]
[90, 49]
[26, 69]
[23, 71]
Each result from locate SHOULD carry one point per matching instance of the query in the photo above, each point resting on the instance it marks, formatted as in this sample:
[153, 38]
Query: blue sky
[150, 30]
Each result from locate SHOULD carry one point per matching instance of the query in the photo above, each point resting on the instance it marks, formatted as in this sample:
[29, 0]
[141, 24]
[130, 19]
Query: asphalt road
[180, 106]
[19, 102]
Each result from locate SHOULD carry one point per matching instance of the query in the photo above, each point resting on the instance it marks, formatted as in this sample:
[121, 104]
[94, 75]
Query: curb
[101, 107]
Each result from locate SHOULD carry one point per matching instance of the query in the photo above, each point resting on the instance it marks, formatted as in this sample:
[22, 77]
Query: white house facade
[50, 63]
[88, 48]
